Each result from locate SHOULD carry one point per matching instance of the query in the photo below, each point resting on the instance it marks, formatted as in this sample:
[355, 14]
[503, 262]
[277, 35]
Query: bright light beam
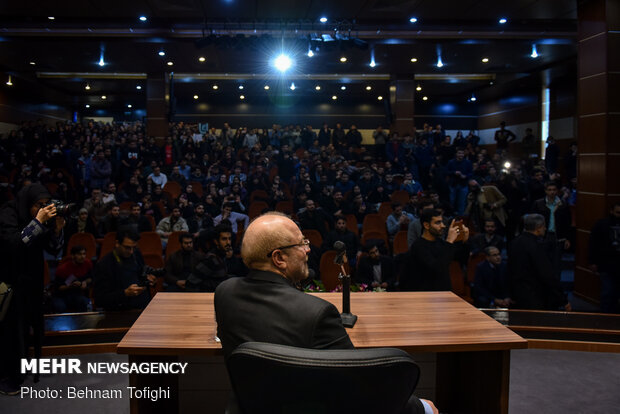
[282, 63]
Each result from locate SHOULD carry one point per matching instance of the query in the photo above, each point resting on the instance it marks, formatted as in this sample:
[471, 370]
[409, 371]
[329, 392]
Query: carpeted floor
[541, 381]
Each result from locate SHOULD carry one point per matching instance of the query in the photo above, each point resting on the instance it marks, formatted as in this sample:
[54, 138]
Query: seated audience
[489, 238]
[314, 218]
[491, 285]
[136, 220]
[212, 270]
[343, 234]
[168, 225]
[232, 217]
[398, 219]
[375, 269]
[181, 264]
[111, 221]
[72, 282]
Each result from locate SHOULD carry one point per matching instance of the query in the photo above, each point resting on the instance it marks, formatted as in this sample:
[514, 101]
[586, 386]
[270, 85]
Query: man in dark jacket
[314, 219]
[118, 283]
[532, 282]
[376, 270]
[181, 264]
[491, 281]
[265, 306]
[341, 233]
[212, 269]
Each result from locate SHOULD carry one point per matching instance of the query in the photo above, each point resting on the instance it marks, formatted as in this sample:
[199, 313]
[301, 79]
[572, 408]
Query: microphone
[341, 248]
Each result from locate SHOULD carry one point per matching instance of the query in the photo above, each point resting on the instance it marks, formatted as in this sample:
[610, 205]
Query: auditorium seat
[374, 222]
[85, 239]
[374, 235]
[150, 242]
[472, 264]
[173, 188]
[270, 378]
[197, 187]
[314, 236]
[385, 209]
[329, 271]
[256, 208]
[400, 243]
[173, 243]
[352, 224]
[108, 243]
[285, 206]
[400, 196]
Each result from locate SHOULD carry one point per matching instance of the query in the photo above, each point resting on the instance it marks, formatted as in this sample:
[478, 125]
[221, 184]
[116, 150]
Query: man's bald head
[264, 234]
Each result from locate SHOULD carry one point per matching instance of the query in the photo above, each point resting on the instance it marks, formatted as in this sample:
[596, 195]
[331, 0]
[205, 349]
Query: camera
[148, 270]
[62, 209]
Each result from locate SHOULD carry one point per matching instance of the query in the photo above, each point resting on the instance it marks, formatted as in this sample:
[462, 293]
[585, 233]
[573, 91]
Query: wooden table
[472, 350]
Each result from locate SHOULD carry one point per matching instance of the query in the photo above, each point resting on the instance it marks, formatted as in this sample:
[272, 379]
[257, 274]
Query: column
[598, 127]
[402, 94]
[157, 106]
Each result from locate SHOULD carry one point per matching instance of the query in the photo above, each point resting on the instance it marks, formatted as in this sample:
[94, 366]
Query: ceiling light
[372, 63]
[439, 62]
[142, 18]
[292, 87]
[343, 88]
[413, 20]
[414, 60]
[266, 87]
[215, 87]
[195, 96]
[418, 88]
[104, 97]
[51, 17]
[202, 59]
[485, 60]
[473, 98]
[334, 97]
[534, 52]
[87, 106]
[87, 87]
[502, 20]
[380, 97]
[282, 63]
[129, 105]
[317, 87]
[425, 98]
[242, 97]
[368, 87]
[10, 81]
[343, 59]
[323, 19]
[138, 87]
[101, 61]
[32, 63]
[310, 53]
[241, 87]
[170, 63]
[162, 53]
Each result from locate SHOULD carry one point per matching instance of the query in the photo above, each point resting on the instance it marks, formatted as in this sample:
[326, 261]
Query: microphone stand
[348, 319]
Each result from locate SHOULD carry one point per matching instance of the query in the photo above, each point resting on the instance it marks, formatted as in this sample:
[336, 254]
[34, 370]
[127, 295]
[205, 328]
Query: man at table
[266, 306]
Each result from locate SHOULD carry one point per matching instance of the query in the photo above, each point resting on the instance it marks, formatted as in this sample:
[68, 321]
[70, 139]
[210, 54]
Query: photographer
[28, 226]
[120, 282]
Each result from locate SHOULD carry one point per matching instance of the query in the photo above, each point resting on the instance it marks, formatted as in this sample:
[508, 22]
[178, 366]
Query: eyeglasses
[303, 243]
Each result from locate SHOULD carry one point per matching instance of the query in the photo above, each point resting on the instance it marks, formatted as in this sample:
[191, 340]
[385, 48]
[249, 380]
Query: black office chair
[268, 378]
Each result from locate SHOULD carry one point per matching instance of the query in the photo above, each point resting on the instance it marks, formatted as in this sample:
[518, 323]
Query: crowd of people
[456, 200]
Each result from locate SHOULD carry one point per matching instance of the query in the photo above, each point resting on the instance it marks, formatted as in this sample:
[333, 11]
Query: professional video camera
[148, 270]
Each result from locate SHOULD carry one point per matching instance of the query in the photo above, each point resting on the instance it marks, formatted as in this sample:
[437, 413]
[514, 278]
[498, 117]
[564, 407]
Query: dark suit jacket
[562, 217]
[490, 283]
[365, 272]
[532, 281]
[265, 307]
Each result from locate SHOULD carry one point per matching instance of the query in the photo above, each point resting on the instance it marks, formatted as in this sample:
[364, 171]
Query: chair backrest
[85, 239]
[258, 195]
[150, 242]
[173, 188]
[374, 235]
[173, 243]
[256, 208]
[352, 224]
[151, 220]
[314, 236]
[400, 196]
[374, 222]
[108, 243]
[269, 378]
[285, 206]
[385, 209]
[197, 187]
[400, 243]
[329, 271]
[472, 264]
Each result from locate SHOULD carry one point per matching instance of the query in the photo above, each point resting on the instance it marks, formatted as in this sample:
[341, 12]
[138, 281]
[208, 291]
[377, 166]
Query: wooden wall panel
[593, 95]
[592, 173]
[592, 131]
[590, 208]
[592, 53]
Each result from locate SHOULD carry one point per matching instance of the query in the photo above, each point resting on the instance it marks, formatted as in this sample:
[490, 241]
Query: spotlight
[485, 60]
[10, 81]
[241, 87]
[87, 87]
[502, 20]
[343, 88]
[138, 87]
[266, 87]
[162, 53]
[292, 87]
[310, 53]
[101, 61]
[334, 97]
[418, 88]
[195, 96]
[425, 98]
[343, 59]
[534, 52]
[380, 97]
[142, 18]
[414, 60]
[413, 20]
[282, 63]
[368, 87]
[317, 87]
[202, 59]
[215, 87]
[372, 63]
[439, 62]
[323, 19]
[170, 63]
[242, 97]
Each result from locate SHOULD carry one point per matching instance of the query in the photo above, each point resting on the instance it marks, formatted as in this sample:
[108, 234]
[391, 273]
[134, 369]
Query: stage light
[129, 105]
[101, 61]
[87, 87]
[343, 88]
[170, 63]
[310, 53]
[334, 97]
[317, 87]
[372, 63]
[87, 106]
[380, 97]
[485, 60]
[142, 18]
[292, 87]
[202, 59]
[503, 20]
[33, 63]
[418, 88]
[266, 87]
[425, 98]
[414, 60]
[104, 97]
[368, 87]
[10, 81]
[215, 87]
[242, 97]
[439, 62]
[413, 20]
[240, 87]
[138, 87]
[195, 96]
[323, 19]
[473, 98]
[162, 53]
[534, 52]
[51, 17]
[343, 59]
[282, 63]
[507, 165]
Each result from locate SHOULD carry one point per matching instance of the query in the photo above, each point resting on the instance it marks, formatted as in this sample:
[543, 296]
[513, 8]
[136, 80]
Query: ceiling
[56, 59]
